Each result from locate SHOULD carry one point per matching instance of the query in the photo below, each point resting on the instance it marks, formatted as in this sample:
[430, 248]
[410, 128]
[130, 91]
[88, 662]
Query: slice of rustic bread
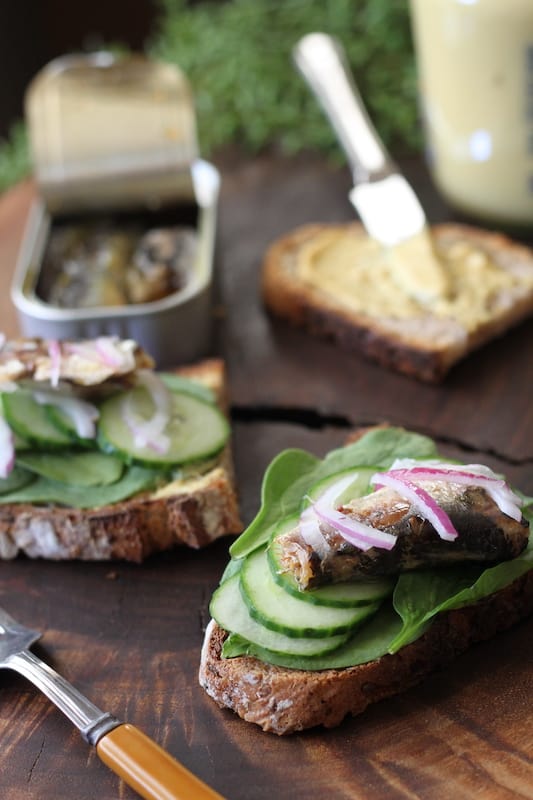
[193, 511]
[428, 339]
[283, 701]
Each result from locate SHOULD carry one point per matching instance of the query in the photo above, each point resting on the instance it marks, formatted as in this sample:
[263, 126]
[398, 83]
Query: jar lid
[111, 131]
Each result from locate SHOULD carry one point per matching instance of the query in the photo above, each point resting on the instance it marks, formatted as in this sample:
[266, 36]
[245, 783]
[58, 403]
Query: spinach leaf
[281, 493]
[419, 596]
[17, 478]
[44, 490]
[90, 468]
[178, 383]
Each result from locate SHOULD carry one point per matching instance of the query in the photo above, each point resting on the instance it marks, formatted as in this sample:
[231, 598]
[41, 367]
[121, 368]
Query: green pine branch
[236, 55]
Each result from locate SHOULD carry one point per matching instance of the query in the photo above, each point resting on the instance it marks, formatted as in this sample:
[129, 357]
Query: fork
[124, 748]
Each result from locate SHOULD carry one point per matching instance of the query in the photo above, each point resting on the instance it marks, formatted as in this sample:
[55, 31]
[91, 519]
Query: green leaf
[17, 478]
[43, 490]
[419, 596]
[281, 494]
[78, 469]
[177, 383]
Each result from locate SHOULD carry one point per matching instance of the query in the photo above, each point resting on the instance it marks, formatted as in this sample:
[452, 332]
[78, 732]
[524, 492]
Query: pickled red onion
[468, 474]
[357, 533]
[54, 351]
[7, 449]
[150, 432]
[310, 531]
[400, 482]
[82, 413]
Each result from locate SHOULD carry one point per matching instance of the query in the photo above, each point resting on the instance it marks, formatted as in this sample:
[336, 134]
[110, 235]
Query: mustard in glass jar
[475, 63]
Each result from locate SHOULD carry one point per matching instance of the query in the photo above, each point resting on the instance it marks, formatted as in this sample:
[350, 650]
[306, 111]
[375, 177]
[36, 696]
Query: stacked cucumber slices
[262, 605]
[266, 614]
[81, 454]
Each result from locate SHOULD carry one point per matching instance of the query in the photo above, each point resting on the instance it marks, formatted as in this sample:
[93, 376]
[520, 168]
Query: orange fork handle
[147, 768]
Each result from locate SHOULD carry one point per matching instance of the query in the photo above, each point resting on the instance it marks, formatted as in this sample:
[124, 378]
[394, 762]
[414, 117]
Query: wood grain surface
[129, 636]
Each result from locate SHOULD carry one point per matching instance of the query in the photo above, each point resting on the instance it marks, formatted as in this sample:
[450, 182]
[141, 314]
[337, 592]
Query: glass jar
[475, 64]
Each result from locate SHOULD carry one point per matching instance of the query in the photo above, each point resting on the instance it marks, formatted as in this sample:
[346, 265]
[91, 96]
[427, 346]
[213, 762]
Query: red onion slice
[82, 413]
[357, 533]
[150, 432]
[468, 474]
[330, 495]
[7, 449]
[400, 482]
[310, 531]
[54, 351]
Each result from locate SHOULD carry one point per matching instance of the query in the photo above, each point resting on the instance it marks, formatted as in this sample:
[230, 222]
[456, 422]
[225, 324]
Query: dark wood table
[129, 636]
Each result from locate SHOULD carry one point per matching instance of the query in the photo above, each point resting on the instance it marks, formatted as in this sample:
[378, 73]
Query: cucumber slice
[196, 430]
[177, 383]
[64, 423]
[17, 479]
[19, 442]
[357, 488]
[269, 604]
[369, 642]
[77, 469]
[229, 611]
[30, 420]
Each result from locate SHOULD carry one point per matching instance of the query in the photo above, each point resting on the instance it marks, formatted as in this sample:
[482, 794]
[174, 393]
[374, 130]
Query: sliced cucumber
[230, 612]
[196, 429]
[17, 479]
[19, 442]
[177, 383]
[357, 488]
[64, 423]
[77, 469]
[269, 604]
[368, 643]
[30, 420]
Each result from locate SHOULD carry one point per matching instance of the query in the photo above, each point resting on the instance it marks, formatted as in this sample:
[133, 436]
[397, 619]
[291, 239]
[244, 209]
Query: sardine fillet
[486, 534]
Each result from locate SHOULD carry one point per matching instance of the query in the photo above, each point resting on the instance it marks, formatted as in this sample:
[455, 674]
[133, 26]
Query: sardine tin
[175, 329]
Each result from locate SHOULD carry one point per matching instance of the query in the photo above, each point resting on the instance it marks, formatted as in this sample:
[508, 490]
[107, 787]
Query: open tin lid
[111, 132]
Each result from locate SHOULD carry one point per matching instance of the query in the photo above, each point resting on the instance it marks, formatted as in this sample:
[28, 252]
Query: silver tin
[114, 138]
[173, 330]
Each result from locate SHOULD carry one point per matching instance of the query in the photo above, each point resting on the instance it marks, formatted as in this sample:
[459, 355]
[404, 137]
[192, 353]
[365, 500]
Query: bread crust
[193, 512]
[425, 349]
[284, 701]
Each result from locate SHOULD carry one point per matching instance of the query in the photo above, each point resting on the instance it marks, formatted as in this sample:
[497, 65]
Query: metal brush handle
[322, 62]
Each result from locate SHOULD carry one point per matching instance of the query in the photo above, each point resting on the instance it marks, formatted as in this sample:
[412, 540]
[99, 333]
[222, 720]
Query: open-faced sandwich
[362, 573]
[335, 281]
[101, 457]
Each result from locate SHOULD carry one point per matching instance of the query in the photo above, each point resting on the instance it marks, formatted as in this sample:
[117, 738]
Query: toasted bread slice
[193, 511]
[284, 701]
[491, 291]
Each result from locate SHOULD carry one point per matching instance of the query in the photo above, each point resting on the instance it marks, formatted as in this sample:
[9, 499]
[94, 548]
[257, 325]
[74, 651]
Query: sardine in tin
[114, 148]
